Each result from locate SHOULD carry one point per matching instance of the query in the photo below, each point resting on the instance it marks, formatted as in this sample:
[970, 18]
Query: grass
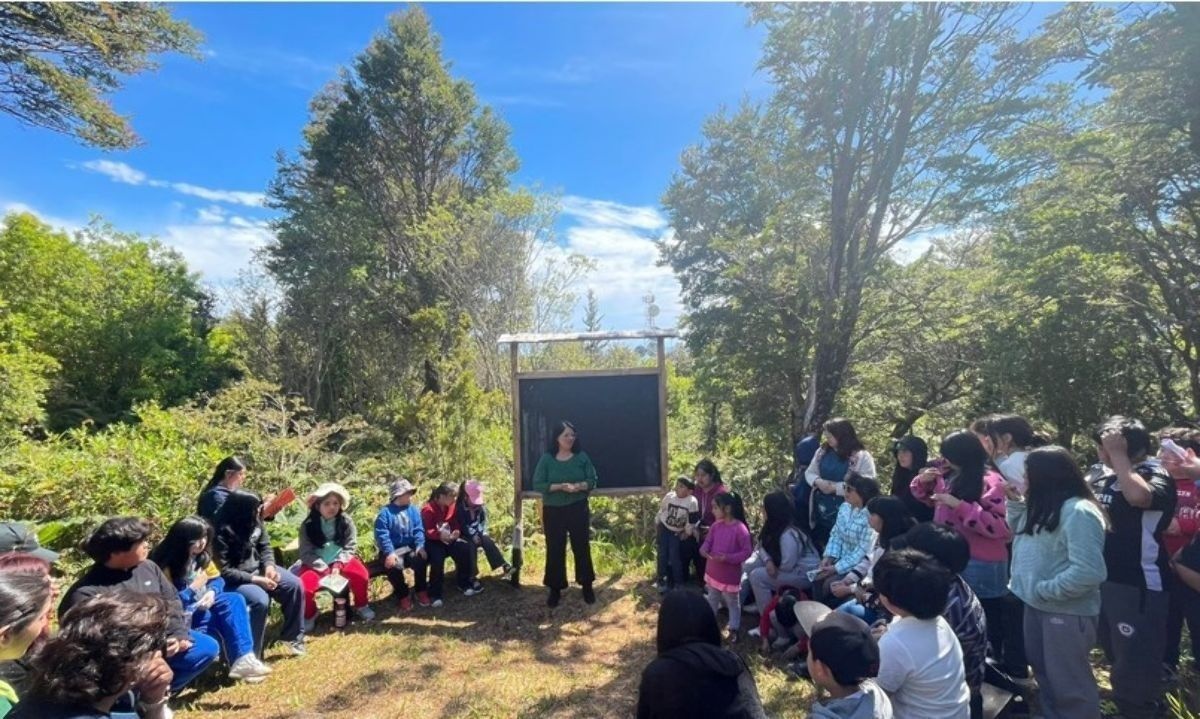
[501, 654]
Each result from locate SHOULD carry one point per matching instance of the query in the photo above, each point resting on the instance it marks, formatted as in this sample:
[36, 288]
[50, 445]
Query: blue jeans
[228, 620]
[192, 663]
[988, 580]
[854, 609]
[290, 595]
[670, 557]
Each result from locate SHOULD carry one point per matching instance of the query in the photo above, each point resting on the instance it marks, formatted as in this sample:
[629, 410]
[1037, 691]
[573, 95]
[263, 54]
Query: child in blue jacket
[473, 516]
[400, 538]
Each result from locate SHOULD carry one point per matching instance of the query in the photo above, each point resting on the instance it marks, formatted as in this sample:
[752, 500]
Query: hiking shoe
[436, 603]
[365, 613]
[589, 594]
[248, 669]
[423, 599]
[297, 647]
[405, 604]
[554, 598]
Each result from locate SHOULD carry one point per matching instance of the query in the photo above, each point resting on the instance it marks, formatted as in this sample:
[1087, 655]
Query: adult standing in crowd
[1140, 500]
[708, 485]
[1058, 566]
[839, 455]
[565, 477]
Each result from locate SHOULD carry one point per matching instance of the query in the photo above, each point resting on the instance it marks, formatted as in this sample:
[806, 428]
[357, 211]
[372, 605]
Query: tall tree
[59, 60]
[883, 125]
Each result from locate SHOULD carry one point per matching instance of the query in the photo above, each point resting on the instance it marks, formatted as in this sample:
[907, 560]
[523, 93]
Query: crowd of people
[997, 562]
[143, 622]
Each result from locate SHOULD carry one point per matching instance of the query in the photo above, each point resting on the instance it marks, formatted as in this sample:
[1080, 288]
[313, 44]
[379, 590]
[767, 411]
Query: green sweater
[1060, 571]
[550, 471]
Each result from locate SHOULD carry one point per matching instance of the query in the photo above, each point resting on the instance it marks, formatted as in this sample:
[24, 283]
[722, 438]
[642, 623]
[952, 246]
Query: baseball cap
[399, 487]
[474, 490]
[840, 641]
[18, 538]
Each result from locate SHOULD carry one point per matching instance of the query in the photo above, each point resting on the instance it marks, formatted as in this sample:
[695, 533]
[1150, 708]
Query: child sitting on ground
[725, 548]
[473, 518]
[843, 656]
[851, 539]
[328, 541]
[400, 539]
[677, 519]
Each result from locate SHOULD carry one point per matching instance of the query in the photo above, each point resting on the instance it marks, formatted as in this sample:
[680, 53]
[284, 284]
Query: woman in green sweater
[1057, 568]
[564, 476]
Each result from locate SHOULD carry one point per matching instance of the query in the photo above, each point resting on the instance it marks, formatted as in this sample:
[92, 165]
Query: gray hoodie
[870, 702]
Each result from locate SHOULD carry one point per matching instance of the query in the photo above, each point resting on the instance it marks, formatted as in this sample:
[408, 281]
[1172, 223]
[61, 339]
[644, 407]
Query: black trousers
[1184, 605]
[494, 556]
[689, 553]
[573, 521]
[395, 575]
[463, 555]
[1006, 633]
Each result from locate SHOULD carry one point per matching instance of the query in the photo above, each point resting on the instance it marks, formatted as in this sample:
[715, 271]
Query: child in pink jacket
[727, 545]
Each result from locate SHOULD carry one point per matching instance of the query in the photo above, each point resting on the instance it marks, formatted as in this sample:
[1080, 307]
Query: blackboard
[616, 417]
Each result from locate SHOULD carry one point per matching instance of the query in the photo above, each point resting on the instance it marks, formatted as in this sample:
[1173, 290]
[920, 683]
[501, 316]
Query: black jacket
[902, 478]
[240, 560]
[698, 680]
[145, 578]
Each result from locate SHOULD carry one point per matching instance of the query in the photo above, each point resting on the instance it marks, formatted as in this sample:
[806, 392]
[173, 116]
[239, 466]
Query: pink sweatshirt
[732, 541]
[982, 522]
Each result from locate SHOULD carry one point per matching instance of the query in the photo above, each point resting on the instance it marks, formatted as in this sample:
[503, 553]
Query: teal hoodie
[1060, 571]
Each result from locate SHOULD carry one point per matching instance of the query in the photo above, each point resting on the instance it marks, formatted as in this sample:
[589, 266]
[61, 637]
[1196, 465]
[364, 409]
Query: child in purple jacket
[725, 548]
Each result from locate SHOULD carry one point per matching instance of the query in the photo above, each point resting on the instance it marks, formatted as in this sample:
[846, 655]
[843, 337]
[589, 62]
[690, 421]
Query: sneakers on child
[248, 669]
[505, 570]
[470, 591]
[782, 642]
[423, 599]
[405, 604]
[263, 666]
[365, 613]
[310, 623]
[297, 647]
[436, 603]
[754, 633]
[476, 585]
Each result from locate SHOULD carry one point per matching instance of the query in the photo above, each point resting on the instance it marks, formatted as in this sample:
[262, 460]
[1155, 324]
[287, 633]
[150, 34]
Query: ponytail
[224, 467]
[732, 502]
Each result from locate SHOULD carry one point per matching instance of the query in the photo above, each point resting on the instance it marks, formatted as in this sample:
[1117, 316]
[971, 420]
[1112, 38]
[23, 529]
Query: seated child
[400, 539]
[843, 656]
[920, 661]
[851, 539]
[184, 557]
[473, 517]
[443, 538]
[328, 541]
[677, 519]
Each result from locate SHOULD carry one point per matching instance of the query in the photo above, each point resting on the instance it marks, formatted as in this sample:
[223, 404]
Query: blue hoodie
[397, 527]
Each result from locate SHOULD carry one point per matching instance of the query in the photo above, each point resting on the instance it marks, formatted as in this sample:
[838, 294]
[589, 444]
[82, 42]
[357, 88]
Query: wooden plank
[536, 338]
[662, 411]
[518, 530]
[563, 374]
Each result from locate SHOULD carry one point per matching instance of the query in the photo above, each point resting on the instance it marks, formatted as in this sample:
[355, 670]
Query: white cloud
[125, 174]
[603, 213]
[217, 245]
[60, 223]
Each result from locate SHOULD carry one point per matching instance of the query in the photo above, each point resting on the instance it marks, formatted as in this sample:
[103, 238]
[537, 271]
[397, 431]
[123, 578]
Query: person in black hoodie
[911, 454]
[120, 551]
[693, 674]
[243, 551]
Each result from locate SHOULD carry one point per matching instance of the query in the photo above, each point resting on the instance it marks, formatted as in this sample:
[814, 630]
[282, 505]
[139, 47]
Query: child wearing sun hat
[473, 516]
[328, 543]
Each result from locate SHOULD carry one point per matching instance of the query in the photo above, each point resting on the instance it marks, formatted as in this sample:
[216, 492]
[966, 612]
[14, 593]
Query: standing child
[443, 538]
[328, 541]
[473, 517]
[677, 519]
[725, 548]
[1183, 602]
[400, 539]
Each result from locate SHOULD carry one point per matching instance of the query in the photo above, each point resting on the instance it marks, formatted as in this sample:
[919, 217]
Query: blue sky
[601, 100]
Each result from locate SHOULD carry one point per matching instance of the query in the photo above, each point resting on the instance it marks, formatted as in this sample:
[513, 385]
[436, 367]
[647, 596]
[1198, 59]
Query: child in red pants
[328, 541]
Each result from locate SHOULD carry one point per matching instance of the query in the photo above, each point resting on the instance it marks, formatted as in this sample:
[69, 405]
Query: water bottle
[339, 611]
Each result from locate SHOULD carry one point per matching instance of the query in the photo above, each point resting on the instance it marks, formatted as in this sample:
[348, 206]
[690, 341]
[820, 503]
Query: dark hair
[981, 425]
[24, 593]
[1023, 436]
[442, 490]
[683, 618]
[732, 501]
[311, 526]
[174, 553]
[100, 647]
[847, 438]
[1053, 478]
[939, 541]
[119, 534]
[777, 520]
[912, 582]
[865, 487]
[562, 426]
[894, 514]
[1137, 437]
[1183, 436]
[902, 476]
[964, 450]
[706, 465]
[237, 520]
[224, 467]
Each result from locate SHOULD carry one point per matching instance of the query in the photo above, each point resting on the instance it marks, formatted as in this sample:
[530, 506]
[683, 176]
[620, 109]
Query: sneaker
[754, 633]
[436, 603]
[247, 669]
[475, 584]
[663, 587]
[554, 598]
[263, 666]
[365, 613]
[505, 570]
[750, 608]
[405, 604]
[297, 647]
[471, 591]
[589, 594]
[781, 642]
[310, 624]
[423, 599]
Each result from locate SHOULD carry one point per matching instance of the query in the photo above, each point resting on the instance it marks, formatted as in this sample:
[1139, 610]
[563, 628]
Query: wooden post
[518, 552]
[662, 411]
